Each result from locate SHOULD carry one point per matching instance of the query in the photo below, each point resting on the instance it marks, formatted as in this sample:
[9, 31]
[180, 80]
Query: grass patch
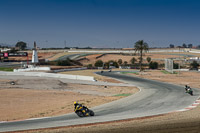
[175, 72]
[166, 72]
[123, 95]
[6, 69]
[129, 72]
[42, 114]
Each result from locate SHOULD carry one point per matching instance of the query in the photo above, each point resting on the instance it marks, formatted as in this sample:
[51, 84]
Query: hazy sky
[100, 23]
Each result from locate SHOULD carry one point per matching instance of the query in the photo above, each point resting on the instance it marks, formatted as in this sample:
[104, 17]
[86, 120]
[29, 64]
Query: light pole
[179, 62]
[65, 44]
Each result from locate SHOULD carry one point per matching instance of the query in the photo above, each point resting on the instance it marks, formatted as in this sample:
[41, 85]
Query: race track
[153, 99]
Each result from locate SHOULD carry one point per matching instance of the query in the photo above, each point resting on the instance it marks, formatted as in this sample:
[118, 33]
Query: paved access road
[153, 99]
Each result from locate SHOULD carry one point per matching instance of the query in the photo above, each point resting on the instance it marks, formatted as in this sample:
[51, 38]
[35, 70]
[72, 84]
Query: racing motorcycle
[83, 111]
[189, 91]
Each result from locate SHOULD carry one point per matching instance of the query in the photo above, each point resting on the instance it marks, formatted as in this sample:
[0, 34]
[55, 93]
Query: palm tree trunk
[140, 60]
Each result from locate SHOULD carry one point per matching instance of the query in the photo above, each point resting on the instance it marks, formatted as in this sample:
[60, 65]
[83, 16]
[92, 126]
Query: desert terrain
[63, 95]
[49, 97]
[179, 122]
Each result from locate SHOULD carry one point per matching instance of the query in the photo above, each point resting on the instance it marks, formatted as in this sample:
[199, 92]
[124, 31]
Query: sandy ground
[92, 73]
[182, 78]
[186, 122]
[30, 98]
[159, 57]
[177, 122]
[92, 58]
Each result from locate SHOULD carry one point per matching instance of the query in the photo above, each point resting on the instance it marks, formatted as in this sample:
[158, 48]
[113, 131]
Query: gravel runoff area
[175, 122]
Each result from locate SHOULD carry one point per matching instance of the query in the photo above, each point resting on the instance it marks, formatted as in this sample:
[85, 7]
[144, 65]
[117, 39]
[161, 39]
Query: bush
[111, 63]
[98, 63]
[115, 64]
[175, 66]
[162, 65]
[66, 62]
[194, 65]
[148, 59]
[133, 60]
[120, 61]
[89, 66]
[125, 62]
[153, 65]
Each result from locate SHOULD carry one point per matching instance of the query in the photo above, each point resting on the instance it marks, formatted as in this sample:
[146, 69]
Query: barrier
[51, 75]
[33, 69]
[182, 70]
[70, 69]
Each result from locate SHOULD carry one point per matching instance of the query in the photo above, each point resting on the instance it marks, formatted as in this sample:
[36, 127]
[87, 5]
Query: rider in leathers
[77, 105]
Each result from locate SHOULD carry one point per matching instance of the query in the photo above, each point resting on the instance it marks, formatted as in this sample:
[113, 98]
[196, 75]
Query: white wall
[33, 69]
[53, 75]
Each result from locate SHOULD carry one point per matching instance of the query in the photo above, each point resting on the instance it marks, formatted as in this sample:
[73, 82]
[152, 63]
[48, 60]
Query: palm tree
[141, 46]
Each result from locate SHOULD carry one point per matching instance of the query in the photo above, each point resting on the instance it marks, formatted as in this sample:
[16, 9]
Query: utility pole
[65, 44]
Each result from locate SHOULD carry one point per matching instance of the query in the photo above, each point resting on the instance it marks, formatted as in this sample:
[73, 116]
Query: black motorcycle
[83, 111]
[189, 91]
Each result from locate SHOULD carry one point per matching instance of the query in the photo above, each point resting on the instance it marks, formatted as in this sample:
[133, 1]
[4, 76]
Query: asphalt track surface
[154, 98]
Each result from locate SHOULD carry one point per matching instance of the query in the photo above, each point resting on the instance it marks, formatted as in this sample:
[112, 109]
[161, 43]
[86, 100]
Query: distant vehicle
[12, 82]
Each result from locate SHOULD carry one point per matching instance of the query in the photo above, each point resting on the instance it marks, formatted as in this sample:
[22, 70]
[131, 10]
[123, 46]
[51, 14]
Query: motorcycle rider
[189, 89]
[78, 105]
[186, 88]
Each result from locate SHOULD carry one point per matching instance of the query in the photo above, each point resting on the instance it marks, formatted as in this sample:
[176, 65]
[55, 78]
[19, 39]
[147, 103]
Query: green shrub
[65, 62]
[98, 63]
[89, 66]
[120, 61]
[133, 60]
[111, 63]
[153, 65]
[175, 65]
[194, 65]
[148, 59]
